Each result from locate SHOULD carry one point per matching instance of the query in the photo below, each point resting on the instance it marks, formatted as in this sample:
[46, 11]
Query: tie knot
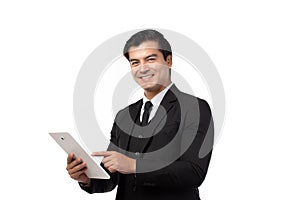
[147, 105]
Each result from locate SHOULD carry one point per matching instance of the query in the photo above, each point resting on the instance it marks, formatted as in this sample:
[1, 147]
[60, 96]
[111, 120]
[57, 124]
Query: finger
[78, 173]
[74, 163]
[108, 164]
[112, 170]
[70, 158]
[77, 168]
[106, 159]
[102, 153]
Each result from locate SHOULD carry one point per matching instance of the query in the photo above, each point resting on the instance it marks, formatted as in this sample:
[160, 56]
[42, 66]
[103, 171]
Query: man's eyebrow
[133, 59]
[152, 55]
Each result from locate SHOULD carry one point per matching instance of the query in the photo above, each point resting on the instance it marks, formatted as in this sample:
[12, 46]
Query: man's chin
[149, 87]
[152, 88]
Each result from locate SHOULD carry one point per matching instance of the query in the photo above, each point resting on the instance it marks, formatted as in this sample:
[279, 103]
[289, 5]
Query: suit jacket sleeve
[104, 185]
[190, 169]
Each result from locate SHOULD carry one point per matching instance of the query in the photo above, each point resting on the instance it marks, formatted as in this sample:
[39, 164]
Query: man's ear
[169, 61]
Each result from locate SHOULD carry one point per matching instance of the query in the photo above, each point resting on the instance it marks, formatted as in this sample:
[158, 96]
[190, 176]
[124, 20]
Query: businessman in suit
[161, 145]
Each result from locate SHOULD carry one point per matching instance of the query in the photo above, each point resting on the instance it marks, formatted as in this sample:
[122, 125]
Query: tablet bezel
[70, 145]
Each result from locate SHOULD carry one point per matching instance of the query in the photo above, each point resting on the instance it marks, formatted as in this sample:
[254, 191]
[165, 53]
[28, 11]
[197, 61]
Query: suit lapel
[166, 104]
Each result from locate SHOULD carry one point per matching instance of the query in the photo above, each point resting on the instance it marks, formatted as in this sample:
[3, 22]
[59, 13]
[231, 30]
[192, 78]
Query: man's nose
[144, 68]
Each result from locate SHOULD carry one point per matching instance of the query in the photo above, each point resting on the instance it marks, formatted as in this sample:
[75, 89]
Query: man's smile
[146, 76]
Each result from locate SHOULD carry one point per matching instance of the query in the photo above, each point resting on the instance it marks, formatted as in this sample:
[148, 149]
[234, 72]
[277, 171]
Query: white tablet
[69, 144]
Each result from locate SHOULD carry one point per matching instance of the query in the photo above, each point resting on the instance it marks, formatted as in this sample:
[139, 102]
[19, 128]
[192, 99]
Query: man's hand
[115, 161]
[76, 169]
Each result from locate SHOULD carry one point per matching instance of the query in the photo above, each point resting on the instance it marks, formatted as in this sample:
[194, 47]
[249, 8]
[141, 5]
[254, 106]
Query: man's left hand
[115, 161]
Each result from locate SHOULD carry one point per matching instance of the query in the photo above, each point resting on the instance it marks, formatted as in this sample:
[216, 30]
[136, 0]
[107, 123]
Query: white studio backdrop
[255, 46]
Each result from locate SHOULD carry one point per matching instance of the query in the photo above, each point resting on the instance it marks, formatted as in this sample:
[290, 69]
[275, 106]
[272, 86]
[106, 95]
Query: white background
[255, 46]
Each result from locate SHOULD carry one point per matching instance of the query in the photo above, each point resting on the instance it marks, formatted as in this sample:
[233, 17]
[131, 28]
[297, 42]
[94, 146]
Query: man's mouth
[146, 76]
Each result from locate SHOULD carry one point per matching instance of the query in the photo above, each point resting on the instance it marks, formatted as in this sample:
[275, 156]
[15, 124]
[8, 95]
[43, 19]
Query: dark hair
[148, 35]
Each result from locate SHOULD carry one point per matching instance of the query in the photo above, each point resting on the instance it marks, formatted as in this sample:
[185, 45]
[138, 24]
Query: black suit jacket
[173, 152]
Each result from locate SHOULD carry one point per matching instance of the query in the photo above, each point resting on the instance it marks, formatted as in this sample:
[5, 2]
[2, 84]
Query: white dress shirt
[156, 100]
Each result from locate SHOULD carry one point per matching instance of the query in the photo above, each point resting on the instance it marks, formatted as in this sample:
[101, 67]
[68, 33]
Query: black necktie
[146, 113]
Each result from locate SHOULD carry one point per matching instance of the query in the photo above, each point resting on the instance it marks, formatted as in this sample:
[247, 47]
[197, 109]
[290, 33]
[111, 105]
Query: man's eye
[134, 63]
[151, 59]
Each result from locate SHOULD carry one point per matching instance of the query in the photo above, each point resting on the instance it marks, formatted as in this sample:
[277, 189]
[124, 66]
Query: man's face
[149, 68]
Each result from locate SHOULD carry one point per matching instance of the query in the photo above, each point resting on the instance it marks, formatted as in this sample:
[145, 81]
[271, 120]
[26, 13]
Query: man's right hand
[76, 169]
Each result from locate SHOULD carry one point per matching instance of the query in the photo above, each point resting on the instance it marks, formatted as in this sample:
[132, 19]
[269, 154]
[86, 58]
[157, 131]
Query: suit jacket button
[137, 153]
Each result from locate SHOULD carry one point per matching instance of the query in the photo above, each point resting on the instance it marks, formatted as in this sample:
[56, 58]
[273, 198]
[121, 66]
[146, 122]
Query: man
[161, 145]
